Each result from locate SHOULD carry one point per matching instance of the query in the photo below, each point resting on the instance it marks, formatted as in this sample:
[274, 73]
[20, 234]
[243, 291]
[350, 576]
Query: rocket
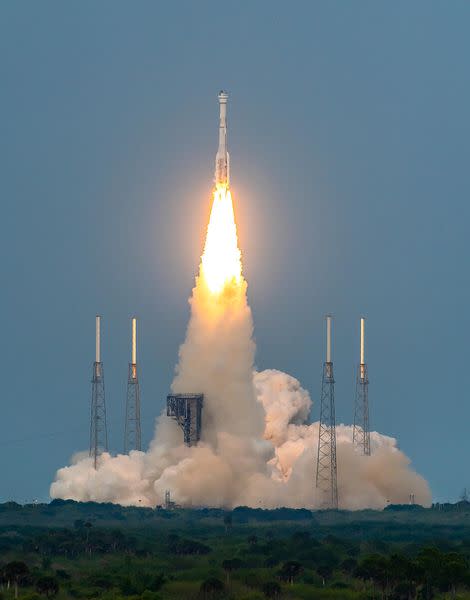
[222, 158]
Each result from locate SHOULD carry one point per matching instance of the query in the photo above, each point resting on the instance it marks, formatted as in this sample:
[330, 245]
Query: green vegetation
[69, 550]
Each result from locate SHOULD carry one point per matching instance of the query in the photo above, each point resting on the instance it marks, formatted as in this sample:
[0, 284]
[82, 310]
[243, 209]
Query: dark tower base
[132, 432]
[361, 429]
[326, 477]
[186, 409]
[98, 429]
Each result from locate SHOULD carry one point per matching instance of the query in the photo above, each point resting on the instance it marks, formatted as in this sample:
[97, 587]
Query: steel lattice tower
[98, 429]
[326, 477]
[361, 429]
[132, 432]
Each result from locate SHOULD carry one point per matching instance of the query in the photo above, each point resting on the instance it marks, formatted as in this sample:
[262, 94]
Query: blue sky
[349, 137]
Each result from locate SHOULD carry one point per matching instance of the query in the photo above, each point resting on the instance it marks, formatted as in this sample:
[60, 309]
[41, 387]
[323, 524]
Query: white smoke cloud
[276, 469]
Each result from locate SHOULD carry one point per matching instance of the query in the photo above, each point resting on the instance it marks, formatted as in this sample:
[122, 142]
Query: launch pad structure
[186, 410]
[326, 477]
[361, 428]
[98, 428]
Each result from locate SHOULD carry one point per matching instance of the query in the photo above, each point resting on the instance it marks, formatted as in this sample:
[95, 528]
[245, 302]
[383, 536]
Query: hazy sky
[349, 137]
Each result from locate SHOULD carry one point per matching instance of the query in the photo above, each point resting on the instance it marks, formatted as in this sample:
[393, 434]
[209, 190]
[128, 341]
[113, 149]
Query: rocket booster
[222, 159]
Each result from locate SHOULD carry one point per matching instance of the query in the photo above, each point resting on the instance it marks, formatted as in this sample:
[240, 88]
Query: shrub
[212, 588]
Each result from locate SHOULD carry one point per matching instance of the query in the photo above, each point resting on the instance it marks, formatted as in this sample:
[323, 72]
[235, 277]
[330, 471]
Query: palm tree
[374, 568]
[290, 570]
[230, 565]
[325, 571]
[47, 586]
[271, 589]
[211, 588]
[454, 571]
[429, 560]
[228, 522]
[88, 527]
[16, 572]
[227, 566]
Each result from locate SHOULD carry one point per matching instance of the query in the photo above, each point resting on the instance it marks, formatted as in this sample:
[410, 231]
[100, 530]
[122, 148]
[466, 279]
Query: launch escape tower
[326, 477]
[361, 430]
[98, 430]
[186, 409]
[132, 432]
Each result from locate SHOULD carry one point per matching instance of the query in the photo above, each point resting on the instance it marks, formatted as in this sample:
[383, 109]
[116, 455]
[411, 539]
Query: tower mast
[98, 429]
[326, 476]
[361, 429]
[132, 431]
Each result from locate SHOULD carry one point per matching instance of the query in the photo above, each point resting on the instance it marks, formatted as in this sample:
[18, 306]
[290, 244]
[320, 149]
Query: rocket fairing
[222, 158]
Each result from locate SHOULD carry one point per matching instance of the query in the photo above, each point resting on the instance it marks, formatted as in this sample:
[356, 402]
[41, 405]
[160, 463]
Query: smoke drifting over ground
[257, 448]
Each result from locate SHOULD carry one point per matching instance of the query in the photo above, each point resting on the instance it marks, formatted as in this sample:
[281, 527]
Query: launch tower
[132, 432]
[186, 409]
[326, 477]
[98, 430]
[361, 430]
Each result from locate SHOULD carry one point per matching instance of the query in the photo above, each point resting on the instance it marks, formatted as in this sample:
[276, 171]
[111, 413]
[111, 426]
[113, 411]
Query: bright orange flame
[221, 261]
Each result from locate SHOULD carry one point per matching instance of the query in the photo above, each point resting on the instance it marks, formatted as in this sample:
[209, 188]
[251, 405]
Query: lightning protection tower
[132, 433]
[361, 429]
[326, 477]
[98, 430]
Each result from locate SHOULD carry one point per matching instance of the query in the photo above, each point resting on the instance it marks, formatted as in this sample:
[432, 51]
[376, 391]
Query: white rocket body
[222, 159]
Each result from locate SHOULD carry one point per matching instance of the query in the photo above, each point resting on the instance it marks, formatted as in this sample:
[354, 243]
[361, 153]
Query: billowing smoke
[257, 448]
[238, 463]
